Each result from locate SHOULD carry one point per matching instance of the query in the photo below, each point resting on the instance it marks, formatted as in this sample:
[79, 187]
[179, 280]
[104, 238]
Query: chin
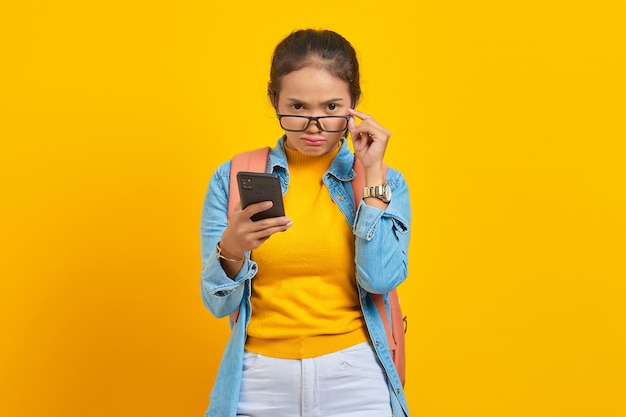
[312, 151]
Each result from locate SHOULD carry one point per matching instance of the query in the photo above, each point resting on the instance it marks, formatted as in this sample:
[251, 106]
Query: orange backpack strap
[398, 321]
[394, 330]
[254, 161]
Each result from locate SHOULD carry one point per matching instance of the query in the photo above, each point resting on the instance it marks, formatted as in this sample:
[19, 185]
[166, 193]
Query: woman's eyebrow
[295, 100]
[332, 100]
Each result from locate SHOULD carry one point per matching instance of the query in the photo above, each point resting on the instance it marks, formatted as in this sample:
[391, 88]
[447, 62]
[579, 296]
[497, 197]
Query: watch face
[387, 191]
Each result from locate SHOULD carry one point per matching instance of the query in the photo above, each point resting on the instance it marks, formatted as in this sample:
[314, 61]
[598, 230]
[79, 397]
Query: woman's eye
[333, 106]
[296, 106]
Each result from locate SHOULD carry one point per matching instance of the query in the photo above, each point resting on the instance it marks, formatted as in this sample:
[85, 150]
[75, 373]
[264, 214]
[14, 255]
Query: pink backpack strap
[253, 161]
[395, 339]
[396, 328]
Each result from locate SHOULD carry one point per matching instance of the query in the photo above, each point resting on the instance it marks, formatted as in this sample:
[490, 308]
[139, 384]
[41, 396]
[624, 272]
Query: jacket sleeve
[382, 239]
[220, 294]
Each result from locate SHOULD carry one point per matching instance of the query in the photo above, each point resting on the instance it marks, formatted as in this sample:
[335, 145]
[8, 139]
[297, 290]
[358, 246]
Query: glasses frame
[310, 119]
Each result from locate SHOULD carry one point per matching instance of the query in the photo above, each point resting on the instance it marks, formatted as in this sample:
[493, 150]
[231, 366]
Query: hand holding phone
[255, 187]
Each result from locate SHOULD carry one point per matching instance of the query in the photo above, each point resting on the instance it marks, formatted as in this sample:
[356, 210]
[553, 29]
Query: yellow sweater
[304, 297]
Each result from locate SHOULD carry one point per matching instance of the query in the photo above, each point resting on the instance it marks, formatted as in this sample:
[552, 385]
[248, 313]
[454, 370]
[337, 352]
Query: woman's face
[312, 91]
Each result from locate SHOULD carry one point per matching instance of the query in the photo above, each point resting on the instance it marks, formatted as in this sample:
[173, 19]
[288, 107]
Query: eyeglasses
[301, 123]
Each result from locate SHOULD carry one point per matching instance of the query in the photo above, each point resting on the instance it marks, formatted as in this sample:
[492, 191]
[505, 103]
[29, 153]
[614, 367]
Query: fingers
[243, 234]
[356, 130]
[255, 208]
[360, 115]
[351, 124]
[267, 227]
[369, 129]
[253, 234]
[369, 138]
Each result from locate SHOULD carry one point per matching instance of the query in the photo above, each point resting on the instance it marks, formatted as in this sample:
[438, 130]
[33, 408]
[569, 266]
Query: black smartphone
[255, 187]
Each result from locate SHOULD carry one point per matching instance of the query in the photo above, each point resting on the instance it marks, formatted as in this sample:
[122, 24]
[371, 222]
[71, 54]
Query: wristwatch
[382, 192]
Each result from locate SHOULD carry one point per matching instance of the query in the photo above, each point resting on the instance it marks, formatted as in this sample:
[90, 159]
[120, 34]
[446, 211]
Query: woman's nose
[317, 128]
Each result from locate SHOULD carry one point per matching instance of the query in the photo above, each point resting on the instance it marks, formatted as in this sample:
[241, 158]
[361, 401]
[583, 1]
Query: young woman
[303, 343]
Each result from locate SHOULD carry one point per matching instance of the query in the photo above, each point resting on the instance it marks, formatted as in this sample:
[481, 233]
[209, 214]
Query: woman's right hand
[242, 234]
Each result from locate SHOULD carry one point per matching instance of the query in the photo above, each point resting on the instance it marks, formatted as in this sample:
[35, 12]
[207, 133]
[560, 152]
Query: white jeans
[348, 383]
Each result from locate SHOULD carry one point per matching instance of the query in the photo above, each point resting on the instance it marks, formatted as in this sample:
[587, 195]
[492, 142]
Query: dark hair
[322, 48]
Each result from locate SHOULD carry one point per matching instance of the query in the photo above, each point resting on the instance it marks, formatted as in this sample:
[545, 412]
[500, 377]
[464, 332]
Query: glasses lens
[333, 123]
[293, 123]
[326, 123]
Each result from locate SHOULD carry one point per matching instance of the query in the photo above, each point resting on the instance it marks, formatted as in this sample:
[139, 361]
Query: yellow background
[507, 119]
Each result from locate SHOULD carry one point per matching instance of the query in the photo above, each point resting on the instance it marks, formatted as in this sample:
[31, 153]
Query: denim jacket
[381, 256]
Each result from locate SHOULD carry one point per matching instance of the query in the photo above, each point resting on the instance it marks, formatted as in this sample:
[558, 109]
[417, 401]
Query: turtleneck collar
[313, 162]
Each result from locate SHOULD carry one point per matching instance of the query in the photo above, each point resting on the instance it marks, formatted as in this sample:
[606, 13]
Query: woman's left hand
[369, 138]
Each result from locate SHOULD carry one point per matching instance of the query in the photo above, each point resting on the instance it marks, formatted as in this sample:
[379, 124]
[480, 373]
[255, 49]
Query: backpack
[256, 161]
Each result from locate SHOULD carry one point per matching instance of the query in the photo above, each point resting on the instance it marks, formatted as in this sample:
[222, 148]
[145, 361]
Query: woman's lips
[312, 140]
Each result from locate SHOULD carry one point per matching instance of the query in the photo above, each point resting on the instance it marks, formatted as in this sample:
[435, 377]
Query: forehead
[313, 83]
